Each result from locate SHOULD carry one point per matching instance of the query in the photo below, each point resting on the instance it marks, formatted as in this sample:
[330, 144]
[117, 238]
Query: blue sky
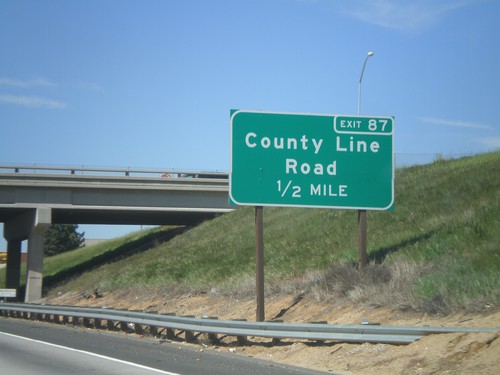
[149, 84]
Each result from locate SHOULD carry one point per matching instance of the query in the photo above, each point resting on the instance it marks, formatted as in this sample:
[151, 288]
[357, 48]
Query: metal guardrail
[213, 327]
[82, 170]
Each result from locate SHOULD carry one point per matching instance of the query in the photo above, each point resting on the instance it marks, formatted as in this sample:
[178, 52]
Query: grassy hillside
[439, 250]
[60, 268]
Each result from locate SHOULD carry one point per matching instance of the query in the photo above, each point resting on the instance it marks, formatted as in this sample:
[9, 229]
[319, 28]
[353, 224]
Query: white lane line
[92, 354]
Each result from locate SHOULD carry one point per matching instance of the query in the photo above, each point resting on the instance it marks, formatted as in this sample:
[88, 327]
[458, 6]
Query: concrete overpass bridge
[32, 198]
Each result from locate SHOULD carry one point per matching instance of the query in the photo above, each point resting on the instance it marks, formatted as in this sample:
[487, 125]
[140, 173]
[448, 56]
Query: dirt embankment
[457, 353]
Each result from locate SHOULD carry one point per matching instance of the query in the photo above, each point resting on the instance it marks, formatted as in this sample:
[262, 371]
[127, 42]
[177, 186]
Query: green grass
[439, 250]
[73, 263]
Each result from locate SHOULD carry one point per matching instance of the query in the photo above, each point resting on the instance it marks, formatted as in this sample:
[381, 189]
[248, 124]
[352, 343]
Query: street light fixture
[363, 257]
[370, 54]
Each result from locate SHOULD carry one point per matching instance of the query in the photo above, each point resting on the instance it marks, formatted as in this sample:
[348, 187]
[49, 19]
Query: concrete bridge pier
[30, 225]
[13, 270]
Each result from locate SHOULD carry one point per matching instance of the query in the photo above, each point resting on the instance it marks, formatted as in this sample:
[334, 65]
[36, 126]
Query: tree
[62, 237]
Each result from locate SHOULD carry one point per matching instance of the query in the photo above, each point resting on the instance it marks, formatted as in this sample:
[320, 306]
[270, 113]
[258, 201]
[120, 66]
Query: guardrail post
[110, 325]
[319, 322]
[169, 333]
[189, 336]
[276, 340]
[211, 338]
[241, 340]
[138, 329]
[153, 330]
[123, 326]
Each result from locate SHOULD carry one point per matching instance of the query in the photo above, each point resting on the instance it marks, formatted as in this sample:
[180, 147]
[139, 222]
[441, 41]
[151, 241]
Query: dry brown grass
[390, 284]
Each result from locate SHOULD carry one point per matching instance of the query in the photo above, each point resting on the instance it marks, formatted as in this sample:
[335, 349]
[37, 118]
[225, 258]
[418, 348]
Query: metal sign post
[259, 260]
[362, 234]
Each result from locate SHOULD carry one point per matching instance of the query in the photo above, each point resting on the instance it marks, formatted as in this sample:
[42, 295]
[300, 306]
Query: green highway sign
[309, 160]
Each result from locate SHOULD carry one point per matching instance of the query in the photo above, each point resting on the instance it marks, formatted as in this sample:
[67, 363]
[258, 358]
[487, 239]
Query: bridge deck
[93, 199]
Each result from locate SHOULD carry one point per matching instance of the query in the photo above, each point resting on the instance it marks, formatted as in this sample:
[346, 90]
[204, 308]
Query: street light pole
[370, 54]
[363, 257]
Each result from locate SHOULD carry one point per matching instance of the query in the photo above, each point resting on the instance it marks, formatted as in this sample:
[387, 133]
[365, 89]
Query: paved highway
[28, 347]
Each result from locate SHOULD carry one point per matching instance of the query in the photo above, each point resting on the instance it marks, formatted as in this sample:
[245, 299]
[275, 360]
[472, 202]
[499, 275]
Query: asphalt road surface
[28, 347]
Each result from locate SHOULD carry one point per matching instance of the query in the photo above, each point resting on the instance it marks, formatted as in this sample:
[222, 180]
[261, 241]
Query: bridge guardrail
[163, 173]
